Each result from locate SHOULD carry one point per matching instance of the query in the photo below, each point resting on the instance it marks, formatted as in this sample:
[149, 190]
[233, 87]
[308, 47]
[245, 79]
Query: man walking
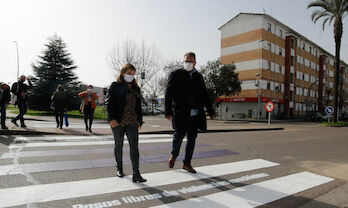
[21, 91]
[4, 99]
[185, 98]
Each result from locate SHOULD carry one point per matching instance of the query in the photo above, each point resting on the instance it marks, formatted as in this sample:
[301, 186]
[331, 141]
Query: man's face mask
[188, 66]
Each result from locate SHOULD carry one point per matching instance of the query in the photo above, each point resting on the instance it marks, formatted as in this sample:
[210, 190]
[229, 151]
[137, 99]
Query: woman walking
[88, 100]
[60, 105]
[125, 116]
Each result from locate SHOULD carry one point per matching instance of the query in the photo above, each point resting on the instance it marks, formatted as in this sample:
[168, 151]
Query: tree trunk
[337, 79]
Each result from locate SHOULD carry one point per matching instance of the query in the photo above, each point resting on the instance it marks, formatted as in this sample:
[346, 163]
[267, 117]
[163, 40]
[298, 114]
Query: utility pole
[258, 82]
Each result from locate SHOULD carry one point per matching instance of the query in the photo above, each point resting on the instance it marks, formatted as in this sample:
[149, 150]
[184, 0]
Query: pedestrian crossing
[73, 125]
[168, 186]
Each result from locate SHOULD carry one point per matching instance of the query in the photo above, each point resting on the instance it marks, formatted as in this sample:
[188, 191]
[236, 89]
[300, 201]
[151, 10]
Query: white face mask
[128, 78]
[188, 66]
[89, 90]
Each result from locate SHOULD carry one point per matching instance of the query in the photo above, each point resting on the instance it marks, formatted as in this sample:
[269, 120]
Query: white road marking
[256, 194]
[66, 190]
[69, 138]
[59, 144]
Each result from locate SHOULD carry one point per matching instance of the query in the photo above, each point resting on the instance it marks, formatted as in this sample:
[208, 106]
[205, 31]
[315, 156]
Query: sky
[91, 28]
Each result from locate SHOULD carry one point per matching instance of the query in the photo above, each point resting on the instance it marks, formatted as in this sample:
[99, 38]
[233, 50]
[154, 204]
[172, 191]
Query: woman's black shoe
[138, 179]
[120, 173]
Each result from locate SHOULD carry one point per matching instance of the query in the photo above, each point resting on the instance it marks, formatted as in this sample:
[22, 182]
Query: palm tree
[332, 11]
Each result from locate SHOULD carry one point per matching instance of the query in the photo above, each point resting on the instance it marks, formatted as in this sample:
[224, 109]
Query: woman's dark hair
[60, 88]
[125, 68]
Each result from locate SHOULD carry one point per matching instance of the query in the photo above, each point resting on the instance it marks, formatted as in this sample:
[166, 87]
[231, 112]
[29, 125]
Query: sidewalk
[40, 125]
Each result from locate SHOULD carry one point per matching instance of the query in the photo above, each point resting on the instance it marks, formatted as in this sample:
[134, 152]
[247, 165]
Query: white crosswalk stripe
[270, 188]
[49, 192]
[83, 138]
[256, 194]
[92, 143]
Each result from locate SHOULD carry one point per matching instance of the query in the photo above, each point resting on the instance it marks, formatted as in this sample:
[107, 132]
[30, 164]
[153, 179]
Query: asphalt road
[303, 165]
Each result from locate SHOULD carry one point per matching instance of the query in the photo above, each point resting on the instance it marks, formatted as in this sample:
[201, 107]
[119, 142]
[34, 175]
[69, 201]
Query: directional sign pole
[329, 111]
[269, 108]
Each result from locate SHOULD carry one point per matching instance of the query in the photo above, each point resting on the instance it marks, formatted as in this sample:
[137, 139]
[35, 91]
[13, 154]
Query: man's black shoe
[14, 122]
[4, 127]
[23, 126]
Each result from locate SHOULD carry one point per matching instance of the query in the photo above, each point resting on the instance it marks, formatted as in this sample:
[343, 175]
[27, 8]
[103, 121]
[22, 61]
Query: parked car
[238, 115]
[314, 116]
[344, 116]
[326, 117]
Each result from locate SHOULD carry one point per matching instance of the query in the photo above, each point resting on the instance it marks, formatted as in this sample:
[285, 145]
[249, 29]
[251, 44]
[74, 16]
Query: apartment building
[276, 63]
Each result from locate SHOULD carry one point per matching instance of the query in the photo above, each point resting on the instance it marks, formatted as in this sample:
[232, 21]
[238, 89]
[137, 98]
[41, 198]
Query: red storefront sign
[248, 100]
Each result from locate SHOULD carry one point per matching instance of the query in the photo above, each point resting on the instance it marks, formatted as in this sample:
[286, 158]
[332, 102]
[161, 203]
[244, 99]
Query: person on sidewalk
[20, 89]
[60, 105]
[123, 103]
[88, 100]
[185, 98]
[5, 97]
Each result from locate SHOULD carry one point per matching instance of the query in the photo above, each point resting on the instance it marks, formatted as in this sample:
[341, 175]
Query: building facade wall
[292, 70]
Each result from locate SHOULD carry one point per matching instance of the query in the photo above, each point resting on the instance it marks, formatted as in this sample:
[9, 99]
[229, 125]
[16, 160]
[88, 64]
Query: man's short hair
[191, 54]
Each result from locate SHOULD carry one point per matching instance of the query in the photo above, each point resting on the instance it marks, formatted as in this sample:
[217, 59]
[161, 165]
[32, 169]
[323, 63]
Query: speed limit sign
[269, 107]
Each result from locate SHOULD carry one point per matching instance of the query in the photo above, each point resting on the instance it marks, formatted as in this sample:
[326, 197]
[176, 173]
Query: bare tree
[167, 69]
[146, 59]
[155, 89]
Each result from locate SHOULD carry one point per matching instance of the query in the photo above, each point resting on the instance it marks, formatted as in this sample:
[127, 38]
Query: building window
[292, 61]
[268, 85]
[269, 65]
[316, 53]
[303, 46]
[310, 49]
[292, 77]
[280, 51]
[269, 29]
[281, 33]
[292, 43]
[269, 46]
[291, 95]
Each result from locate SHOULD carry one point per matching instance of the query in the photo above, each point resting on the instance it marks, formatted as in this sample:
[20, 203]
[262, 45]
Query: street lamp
[258, 82]
[17, 59]
[307, 104]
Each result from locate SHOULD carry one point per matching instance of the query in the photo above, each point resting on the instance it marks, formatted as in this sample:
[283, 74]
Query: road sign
[329, 110]
[269, 107]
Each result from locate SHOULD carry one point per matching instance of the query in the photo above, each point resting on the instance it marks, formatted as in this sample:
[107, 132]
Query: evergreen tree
[55, 66]
[220, 80]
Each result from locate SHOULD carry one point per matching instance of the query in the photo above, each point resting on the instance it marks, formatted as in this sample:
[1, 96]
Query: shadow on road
[6, 139]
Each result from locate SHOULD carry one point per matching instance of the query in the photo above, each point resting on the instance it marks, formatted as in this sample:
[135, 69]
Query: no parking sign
[269, 108]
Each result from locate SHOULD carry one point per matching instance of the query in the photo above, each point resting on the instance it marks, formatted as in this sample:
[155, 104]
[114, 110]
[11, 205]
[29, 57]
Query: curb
[216, 130]
[16, 132]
